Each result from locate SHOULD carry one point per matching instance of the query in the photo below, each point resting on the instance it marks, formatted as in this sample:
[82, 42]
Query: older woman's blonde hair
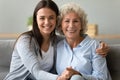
[72, 7]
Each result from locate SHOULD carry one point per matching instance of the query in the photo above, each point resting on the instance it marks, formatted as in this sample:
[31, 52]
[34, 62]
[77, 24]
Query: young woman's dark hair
[35, 30]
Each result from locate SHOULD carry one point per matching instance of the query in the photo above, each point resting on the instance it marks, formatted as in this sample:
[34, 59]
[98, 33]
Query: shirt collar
[86, 38]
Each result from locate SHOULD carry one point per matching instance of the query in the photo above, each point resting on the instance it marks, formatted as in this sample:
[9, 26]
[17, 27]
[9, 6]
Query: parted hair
[42, 4]
[35, 30]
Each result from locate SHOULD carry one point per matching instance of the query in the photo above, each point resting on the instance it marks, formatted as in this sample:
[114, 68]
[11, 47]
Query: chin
[70, 37]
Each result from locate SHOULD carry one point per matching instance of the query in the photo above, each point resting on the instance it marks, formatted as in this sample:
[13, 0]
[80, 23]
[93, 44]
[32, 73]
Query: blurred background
[105, 13]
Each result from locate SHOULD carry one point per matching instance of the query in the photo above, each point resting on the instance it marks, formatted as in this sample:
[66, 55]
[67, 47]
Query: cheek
[54, 22]
[63, 27]
[39, 22]
[79, 26]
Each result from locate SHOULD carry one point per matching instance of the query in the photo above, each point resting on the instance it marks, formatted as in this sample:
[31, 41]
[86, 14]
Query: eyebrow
[72, 19]
[44, 15]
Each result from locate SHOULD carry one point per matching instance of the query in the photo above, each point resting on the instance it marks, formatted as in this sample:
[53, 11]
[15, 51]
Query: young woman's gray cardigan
[28, 66]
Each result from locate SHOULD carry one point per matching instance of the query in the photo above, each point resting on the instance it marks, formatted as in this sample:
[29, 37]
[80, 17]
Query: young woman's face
[46, 20]
[71, 25]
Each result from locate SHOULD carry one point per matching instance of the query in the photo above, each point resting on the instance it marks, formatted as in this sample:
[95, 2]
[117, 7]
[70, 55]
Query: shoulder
[91, 45]
[25, 39]
[25, 35]
[61, 43]
[59, 38]
[91, 41]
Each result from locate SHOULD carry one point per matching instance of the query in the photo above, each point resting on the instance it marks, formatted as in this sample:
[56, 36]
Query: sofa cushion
[6, 47]
[3, 72]
[113, 61]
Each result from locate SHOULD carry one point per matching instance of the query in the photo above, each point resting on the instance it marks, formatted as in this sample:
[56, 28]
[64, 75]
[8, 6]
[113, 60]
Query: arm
[100, 71]
[27, 52]
[99, 66]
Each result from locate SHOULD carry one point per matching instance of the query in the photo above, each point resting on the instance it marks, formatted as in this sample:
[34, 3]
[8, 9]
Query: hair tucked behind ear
[35, 30]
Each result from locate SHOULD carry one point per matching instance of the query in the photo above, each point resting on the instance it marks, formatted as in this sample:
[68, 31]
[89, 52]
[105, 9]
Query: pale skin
[71, 26]
[46, 23]
[46, 20]
[103, 49]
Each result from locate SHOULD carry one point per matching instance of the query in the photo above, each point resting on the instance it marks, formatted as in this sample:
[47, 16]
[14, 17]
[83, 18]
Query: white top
[47, 61]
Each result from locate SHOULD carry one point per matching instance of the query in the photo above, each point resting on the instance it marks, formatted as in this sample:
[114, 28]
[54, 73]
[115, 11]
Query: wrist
[58, 78]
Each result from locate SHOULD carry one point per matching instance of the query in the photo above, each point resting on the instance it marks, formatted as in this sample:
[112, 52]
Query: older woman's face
[71, 25]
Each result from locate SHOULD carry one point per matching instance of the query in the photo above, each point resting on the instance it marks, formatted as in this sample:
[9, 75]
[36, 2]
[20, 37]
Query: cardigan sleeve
[27, 53]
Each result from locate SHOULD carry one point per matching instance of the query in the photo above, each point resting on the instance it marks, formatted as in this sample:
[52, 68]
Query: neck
[74, 42]
[46, 38]
[46, 43]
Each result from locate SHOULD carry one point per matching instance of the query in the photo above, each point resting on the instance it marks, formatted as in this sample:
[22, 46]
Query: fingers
[61, 78]
[103, 45]
[66, 74]
[103, 55]
[102, 52]
[72, 71]
[69, 72]
[103, 49]
[69, 68]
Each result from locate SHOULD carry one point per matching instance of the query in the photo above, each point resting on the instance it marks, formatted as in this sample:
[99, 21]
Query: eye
[41, 18]
[66, 21]
[51, 17]
[76, 20]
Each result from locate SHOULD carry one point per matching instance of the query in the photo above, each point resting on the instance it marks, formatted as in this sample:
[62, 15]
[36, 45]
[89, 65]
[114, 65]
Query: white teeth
[71, 31]
[46, 26]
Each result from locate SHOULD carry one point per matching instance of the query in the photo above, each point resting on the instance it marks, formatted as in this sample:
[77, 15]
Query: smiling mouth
[71, 31]
[47, 27]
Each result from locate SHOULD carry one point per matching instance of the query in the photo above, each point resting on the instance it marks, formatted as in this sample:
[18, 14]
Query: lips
[71, 31]
[47, 27]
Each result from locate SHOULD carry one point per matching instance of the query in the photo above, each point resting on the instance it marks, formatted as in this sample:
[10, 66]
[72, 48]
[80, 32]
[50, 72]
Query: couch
[6, 47]
[113, 61]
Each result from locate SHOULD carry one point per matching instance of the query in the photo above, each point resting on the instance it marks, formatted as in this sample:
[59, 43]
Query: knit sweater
[25, 61]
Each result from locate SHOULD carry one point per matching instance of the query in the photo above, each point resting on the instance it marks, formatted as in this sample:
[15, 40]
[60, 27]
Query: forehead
[71, 15]
[45, 11]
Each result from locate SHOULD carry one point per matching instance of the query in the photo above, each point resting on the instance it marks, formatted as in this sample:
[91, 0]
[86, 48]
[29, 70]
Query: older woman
[76, 54]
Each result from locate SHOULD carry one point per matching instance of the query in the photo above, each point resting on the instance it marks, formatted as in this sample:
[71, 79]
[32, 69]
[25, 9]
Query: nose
[47, 21]
[71, 24]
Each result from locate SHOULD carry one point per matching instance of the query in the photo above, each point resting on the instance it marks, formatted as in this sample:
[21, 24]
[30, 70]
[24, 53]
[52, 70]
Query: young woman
[33, 54]
[76, 54]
